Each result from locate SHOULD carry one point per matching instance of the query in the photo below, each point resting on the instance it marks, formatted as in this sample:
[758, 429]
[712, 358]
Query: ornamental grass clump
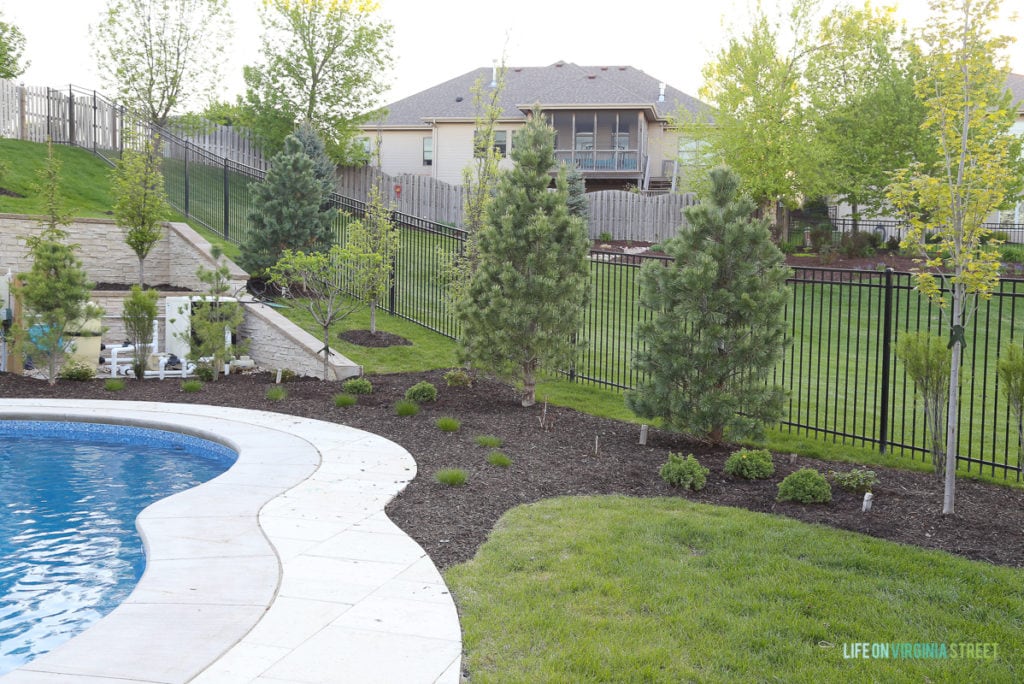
[489, 441]
[447, 424]
[806, 485]
[453, 477]
[191, 386]
[684, 472]
[114, 385]
[344, 400]
[755, 464]
[406, 407]
[499, 459]
[276, 393]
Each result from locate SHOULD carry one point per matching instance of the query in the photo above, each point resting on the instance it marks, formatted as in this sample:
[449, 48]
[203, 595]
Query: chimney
[661, 92]
[494, 73]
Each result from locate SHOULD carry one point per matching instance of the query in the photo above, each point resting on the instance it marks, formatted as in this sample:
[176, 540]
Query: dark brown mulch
[452, 522]
[365, 338]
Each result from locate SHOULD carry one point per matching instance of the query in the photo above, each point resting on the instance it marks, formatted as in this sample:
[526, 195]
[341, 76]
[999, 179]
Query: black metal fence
[840, 370]
[895, 229]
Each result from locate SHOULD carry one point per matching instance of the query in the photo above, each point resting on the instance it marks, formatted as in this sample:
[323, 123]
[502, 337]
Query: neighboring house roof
[562, 84]
[1015, 84]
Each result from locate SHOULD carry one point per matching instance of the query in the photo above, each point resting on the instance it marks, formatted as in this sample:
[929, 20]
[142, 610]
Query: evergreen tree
[578, 204]
[214, 319]
[323, 168]
[524, 301]
[717, 328]
[290, 213]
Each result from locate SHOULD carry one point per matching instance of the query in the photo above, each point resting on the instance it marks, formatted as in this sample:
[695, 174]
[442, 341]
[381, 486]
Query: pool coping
[283, 568]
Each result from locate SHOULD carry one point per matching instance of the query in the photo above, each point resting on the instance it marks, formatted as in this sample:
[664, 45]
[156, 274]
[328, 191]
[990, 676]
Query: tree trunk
[529, 386]
[142, 275]
[373, 317]
[327, 349]
[952, 416]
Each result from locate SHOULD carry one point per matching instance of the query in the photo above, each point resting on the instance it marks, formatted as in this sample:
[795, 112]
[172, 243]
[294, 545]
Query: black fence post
[226, 194]
[393, 292]
[184, 150]
[883, 424]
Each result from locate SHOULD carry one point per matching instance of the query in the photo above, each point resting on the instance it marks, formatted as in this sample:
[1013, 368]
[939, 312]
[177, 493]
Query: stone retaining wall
[274, 341]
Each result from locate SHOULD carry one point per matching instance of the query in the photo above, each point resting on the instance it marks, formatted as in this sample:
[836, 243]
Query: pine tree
[323, 168]
[578, 204]
[290, 211]
[524, 301]
[717, 328]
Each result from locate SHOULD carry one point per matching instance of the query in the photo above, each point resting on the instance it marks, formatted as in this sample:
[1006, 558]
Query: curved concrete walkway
[282, 569]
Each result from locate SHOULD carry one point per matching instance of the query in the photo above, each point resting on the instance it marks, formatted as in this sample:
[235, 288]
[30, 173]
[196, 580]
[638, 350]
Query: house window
[500, 143]
[428, 151]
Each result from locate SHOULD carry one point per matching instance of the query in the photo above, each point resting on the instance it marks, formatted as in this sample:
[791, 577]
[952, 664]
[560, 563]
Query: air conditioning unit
[178, 336]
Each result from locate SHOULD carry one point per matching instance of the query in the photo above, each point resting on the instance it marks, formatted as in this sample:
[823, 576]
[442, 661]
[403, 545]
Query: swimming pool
[69, 496]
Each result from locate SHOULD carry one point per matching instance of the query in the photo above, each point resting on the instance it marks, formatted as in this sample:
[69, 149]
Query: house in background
[611, 122]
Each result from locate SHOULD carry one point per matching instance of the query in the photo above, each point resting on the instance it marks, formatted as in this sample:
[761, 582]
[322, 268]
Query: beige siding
[402, 152]
[663, 145]
[453, 149]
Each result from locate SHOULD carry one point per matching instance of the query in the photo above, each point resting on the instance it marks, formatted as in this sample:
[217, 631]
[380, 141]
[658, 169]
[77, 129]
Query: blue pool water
[69, 496]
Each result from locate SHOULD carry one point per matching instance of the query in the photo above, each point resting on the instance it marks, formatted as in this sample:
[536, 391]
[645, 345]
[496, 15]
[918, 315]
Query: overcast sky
[436, 40]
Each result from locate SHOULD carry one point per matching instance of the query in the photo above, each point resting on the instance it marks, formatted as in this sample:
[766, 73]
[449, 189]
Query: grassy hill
[86, 180]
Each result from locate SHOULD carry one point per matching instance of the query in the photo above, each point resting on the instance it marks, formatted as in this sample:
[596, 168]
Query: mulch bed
[365, 338]
[452, 522]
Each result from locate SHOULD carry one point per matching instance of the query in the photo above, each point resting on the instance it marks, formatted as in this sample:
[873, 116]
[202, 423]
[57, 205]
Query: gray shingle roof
[1015, 84]
[560, 84]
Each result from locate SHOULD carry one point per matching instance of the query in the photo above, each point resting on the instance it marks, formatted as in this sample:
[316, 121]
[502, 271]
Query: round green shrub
[453, 477]
[421, 392]
[406, 407]
[74, 369]
[357, 386]
[806, 485]
[205, 372]
[344, 400]
[191, 386]
[684, 472]
[858, 480]
[497, 458]
[447, 424]
[755, 464]
[458, 377]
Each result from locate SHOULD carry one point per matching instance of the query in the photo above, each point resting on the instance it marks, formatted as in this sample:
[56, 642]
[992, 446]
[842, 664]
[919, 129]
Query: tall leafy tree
[319, 276]
[290, 211]
[140, 203]
[969, 116]
[159, 55]
[761, 125]
[864, 112]
[323, 62]
[717, 328]
[12, 51]
[525, 299]
[372, 244]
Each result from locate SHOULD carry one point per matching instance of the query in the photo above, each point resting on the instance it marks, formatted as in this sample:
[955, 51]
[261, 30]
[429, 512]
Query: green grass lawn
[602, 589]
[85, 180]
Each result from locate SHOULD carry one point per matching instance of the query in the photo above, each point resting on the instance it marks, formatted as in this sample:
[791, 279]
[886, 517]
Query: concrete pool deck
[282, 569]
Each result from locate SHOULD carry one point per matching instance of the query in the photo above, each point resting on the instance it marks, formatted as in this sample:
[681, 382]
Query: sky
[434, 41]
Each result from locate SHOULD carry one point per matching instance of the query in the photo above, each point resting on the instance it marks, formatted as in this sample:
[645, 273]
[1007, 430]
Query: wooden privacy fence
[68, 116]
[228, 142]
[623, 215]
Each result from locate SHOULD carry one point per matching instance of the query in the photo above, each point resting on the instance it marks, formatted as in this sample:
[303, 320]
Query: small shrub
[489, 441]
[806, 485]
[821, 236]
[114, 385]
[74, 369]
[458, 377]
[191, 386]
[605, 236]
[421, 392]
[859, 244]
[344, 400]
[357, 386]
[752, 465]
[1011, 254]
[406, 407]
[497, 458]
[287, 375]
[858, 480]
[684, 472]
[276, 393]
[893, 243]
[453, 477]
[205, 372]
[448, 424]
